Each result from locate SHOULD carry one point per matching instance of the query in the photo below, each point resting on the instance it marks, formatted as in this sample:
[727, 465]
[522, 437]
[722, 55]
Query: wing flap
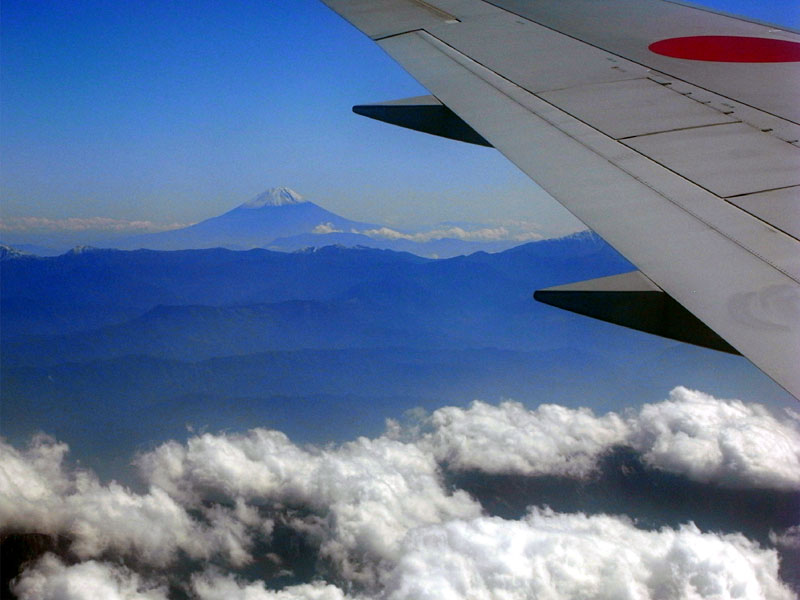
[633, 301]
[425, 114]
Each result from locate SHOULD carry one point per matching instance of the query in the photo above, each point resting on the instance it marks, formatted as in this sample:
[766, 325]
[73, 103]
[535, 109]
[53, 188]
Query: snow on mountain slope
[281, 196]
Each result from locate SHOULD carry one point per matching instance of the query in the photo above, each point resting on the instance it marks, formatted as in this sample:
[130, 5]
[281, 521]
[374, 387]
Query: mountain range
[87, 288]
[280, 219]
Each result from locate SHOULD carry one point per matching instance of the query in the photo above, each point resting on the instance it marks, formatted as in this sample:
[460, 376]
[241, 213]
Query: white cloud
[544, 555]
[51, 579]
[32, 484]
[215, 586]
[324, 228]
[259, 463]
[726, 442]
[555, 556]
[787, 539]
[484, 234]
[365, 495]
[39, 493]
[384, 523]
[530, 236]
[720, 441]
[509, 438]
[23, 224]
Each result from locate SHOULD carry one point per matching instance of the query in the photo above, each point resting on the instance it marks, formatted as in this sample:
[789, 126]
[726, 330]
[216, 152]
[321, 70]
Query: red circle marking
[728, 48]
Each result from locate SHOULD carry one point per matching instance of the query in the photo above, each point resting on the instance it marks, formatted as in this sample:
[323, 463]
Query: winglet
[632, 300]
[423, 113]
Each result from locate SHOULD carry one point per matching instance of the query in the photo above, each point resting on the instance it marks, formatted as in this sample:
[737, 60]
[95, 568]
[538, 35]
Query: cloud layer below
[381, 522]
[725, 442]
[483, 234]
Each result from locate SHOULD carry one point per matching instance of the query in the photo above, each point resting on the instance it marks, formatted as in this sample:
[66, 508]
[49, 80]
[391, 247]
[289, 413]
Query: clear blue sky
[175, 112]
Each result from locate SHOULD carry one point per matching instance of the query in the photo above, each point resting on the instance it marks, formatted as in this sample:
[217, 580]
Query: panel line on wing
[710, 157]
[634, 107]
[763, 121]
[688, 128]
[780, 208]
[591, 110]
[382, 18]
[399, 33]
[777, 189]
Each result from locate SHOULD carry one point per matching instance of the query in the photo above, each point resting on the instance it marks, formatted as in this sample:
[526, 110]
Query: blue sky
[172, 113]
[131, 111]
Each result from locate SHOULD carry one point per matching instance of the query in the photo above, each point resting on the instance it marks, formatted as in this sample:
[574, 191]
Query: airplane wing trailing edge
[670, 130]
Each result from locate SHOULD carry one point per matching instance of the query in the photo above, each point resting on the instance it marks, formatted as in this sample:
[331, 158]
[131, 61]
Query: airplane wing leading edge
[669, 130]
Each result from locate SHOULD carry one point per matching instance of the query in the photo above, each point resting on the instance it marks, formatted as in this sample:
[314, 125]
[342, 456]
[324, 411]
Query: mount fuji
[277, 213]
[281, 219]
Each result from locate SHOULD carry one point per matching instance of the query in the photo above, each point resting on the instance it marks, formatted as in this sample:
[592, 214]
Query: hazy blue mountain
[128, 293]
[91, 288]
[98, 346]
[277, 213]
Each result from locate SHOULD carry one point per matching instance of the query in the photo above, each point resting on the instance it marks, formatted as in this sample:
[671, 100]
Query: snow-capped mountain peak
[280, 196]
[10, 252]
[82, 249]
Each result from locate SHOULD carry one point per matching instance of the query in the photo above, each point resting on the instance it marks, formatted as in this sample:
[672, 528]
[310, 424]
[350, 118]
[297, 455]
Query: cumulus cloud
[38, 493]
[485, 234]
[551, 555]
[721, 441]
[512, 439]
[725, 442]
[51, 579]
[22, 224]
[544, 555]
[32, 484]
[364, 495]
[324, 228]
[381, 521]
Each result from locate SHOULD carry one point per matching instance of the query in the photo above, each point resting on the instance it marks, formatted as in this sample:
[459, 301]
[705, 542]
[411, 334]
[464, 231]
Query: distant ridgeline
[121, 328]
[281, 219]
[128, 293]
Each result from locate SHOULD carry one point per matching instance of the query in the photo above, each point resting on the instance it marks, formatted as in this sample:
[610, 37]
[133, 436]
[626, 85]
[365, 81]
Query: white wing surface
[670, 130]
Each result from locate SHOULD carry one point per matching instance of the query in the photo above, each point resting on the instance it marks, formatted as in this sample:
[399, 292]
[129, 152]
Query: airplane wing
[670, 130]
